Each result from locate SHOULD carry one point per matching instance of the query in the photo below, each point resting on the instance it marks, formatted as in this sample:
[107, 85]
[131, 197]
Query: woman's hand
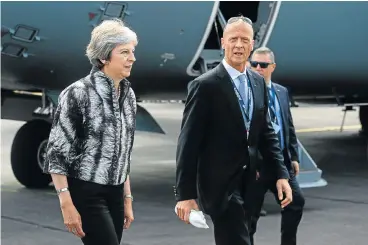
[128, 213]
[72, 219]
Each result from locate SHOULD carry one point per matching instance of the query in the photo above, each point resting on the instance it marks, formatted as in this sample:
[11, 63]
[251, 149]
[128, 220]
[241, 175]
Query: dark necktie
[271, 105]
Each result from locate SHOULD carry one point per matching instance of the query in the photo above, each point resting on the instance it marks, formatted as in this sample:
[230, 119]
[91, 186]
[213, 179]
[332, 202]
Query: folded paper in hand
[197, 219]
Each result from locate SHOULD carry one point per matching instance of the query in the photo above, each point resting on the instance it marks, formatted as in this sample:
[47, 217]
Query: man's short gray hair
[237, 19]
[265, 50]
[105, 37]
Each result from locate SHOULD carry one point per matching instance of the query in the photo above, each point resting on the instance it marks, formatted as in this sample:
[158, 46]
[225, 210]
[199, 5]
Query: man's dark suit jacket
[290, 151]
[212, 146]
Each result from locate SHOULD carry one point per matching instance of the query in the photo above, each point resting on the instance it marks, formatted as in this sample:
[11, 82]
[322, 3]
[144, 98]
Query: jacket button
[245, 166]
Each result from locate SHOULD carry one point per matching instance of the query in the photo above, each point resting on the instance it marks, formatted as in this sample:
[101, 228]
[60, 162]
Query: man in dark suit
[263, 61]
[225, 123]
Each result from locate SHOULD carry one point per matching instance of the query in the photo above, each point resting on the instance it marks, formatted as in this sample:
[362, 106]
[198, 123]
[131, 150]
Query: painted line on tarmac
[23, 221]
[18, 190]
[323, 129]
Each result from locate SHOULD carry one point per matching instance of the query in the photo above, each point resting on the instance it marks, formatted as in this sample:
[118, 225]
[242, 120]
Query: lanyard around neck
[245, 112]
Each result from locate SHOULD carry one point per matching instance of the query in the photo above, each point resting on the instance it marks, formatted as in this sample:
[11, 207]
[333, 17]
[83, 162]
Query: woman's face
[122, 59]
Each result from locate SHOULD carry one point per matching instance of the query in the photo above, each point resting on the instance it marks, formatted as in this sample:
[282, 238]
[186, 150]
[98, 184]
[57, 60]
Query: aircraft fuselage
[319, 46]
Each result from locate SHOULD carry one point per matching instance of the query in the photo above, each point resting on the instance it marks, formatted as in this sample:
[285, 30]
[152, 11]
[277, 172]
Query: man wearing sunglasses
[263, 62]
[225, 123]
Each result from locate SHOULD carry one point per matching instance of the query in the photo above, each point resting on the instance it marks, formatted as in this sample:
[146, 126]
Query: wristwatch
[129, 196]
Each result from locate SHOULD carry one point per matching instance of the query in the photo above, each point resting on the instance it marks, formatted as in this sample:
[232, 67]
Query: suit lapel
[230, 96]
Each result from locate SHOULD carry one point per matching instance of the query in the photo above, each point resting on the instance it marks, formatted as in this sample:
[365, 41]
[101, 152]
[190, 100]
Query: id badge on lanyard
[247, 132]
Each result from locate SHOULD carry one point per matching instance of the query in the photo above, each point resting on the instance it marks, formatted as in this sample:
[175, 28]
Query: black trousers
[291, 215]
[101, 208]
[231, 226]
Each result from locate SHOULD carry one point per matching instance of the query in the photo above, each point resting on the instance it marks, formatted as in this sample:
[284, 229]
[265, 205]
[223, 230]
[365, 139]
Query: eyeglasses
[237, 18]
[261, 64]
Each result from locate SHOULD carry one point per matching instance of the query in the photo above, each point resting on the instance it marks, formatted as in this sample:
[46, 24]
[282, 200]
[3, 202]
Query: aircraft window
[13, 50]
[25, 33]
[114, 10]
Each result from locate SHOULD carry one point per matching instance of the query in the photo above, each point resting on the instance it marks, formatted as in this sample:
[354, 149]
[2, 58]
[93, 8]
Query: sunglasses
[261, 64]
[237, 18]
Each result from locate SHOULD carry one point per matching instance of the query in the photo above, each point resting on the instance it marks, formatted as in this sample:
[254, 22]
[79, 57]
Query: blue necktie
[242, 91]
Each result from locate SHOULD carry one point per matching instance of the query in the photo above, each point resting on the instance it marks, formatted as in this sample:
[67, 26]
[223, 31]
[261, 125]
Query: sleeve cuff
[283, 174]
[294, 158]
[182, 196]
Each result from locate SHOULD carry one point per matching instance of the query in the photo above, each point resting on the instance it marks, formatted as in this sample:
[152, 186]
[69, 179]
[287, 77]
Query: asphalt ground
[335, 214]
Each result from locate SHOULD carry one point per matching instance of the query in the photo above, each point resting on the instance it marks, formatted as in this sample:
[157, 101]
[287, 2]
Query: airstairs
[310, 175]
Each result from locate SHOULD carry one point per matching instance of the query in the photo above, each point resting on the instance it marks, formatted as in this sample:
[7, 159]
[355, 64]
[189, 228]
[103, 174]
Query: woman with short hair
[90, 144]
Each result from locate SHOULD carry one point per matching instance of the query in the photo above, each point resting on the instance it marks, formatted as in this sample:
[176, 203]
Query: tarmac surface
[335, 214]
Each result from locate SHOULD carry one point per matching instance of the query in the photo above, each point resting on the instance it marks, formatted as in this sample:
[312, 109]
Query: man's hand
[283, 186]
[295, 165]
[184, 208]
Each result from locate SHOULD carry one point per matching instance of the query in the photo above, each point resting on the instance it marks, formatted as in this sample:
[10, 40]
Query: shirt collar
[234, 73]
[269, 85]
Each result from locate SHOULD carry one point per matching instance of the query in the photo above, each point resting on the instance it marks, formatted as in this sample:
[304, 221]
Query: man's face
[262, 64]
[237, 43]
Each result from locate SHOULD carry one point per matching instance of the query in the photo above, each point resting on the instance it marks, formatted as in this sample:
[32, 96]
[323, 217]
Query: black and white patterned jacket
[93, 131]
